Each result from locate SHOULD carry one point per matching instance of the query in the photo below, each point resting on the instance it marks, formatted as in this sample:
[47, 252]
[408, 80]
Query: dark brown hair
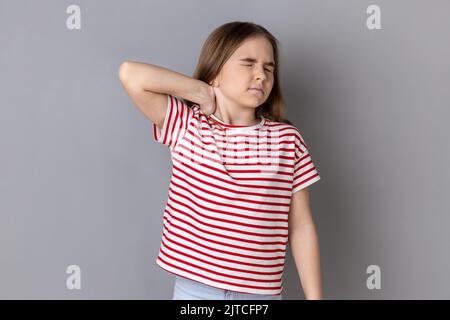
[218, 48]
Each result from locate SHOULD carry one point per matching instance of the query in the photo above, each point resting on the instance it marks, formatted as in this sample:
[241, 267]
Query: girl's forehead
[254, 48]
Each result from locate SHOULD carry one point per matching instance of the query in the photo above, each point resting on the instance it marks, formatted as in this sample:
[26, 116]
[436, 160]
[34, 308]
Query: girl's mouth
[256, 90]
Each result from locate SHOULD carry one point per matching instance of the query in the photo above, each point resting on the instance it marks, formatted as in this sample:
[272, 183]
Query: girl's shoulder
[282, 127]
[287, 132]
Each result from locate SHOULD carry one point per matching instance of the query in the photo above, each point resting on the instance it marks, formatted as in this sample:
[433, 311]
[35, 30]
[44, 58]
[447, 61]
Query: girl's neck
[236, 116]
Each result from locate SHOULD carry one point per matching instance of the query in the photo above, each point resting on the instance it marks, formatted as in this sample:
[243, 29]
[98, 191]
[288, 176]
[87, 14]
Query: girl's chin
[253, 103]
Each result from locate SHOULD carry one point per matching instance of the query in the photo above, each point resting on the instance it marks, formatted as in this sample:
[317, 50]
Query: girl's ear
[213, 83]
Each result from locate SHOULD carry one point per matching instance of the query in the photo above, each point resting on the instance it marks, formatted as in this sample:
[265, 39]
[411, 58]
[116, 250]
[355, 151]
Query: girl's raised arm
[148, 86]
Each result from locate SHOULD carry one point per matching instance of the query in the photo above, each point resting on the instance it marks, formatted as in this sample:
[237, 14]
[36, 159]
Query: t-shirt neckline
[229, 126]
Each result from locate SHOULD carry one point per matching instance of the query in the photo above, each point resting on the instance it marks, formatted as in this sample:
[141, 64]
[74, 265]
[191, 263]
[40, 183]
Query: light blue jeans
[186, 289]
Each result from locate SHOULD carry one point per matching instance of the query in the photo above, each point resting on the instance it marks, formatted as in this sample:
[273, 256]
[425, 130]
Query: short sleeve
[305, 173]
[178, 116]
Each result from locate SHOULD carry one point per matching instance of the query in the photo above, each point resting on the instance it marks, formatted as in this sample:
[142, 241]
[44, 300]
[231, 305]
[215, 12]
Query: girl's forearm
[162, 80]
[305, 250]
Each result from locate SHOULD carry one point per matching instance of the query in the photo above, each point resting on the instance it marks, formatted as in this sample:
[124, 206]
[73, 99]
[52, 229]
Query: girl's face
[251, 65]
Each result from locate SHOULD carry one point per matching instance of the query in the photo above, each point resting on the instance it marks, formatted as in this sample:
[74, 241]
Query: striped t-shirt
[225, 223]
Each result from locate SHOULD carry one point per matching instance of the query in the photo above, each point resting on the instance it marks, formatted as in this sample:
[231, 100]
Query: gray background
[82, 182]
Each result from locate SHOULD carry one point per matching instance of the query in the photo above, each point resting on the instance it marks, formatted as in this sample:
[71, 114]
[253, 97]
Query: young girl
[240, 171]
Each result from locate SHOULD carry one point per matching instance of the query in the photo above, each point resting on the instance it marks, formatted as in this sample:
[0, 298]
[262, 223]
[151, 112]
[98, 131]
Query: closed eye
[249, 65]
